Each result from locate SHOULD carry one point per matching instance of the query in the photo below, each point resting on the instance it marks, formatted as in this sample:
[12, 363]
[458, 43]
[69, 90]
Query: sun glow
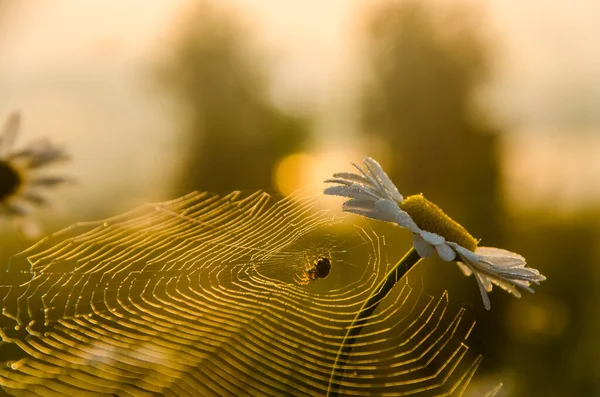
[307, 171]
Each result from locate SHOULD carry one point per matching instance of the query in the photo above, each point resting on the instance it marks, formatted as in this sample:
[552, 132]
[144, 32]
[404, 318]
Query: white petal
[468, 255]
[465, 268]
[351, 178]
[351, 192]
[358, 203]
[391, 207]
[487, 283]
[355, 185]
[526, 274]
[506, 286]
[341, 181]
[404, 220]
[9, 133]
[482, 290]
[445, 252]
[493, 251]
[372, 180]
[432, 238]
[385, 179]
[500, 267]
[509, 266]
[46, 153]
[350, 206]
[49, 181]
[502, 257]
[35, 197]
[524, 285]
[18, 208]
[424, 249]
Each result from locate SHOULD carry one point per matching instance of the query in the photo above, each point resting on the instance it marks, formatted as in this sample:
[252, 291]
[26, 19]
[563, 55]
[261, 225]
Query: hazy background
[492, 109]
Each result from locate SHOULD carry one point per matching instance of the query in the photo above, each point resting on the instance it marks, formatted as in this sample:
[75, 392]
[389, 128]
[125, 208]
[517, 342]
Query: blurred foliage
[234, 135]
[553, 347]
[420, 104]
[420, 116]
[10, 244]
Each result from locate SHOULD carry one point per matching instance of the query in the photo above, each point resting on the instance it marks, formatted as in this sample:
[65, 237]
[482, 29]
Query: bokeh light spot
[293, 173]
[309, 170]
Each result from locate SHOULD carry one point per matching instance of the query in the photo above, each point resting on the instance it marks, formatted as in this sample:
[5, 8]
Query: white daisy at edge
[21, 183]
[373, 195]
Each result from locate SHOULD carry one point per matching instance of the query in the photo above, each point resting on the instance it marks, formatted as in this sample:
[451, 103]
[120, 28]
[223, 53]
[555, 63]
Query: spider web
[196, 296]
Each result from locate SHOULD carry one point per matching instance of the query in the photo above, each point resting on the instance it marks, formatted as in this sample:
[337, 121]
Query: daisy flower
[21, 184]
[373, 195]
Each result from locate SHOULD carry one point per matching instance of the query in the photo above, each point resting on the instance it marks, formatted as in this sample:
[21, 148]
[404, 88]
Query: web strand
[197, 296]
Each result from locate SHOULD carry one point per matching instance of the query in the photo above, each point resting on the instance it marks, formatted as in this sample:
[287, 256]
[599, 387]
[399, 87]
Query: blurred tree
[426, 65]
[420, 104]
[234, 134]
[554, 348]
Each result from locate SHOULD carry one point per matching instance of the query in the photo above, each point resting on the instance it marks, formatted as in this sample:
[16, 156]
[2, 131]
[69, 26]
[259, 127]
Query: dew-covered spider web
[197, 297]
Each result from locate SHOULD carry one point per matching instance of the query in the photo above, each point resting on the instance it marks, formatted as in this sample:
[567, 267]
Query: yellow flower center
[10, 180]
[431, 218]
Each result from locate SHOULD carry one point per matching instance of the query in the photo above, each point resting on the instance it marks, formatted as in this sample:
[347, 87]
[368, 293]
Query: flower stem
[381, 290]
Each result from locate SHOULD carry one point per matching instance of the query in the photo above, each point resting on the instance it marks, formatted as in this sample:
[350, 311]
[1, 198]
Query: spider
[313, 270]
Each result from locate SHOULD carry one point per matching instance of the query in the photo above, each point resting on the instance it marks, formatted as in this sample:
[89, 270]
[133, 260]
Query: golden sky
[82, 72]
